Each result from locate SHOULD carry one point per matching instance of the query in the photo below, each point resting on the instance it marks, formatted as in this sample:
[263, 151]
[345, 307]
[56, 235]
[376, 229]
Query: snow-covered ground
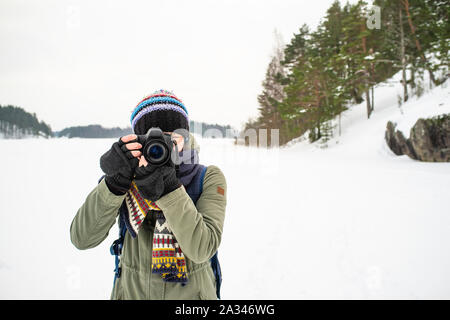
[351, 221]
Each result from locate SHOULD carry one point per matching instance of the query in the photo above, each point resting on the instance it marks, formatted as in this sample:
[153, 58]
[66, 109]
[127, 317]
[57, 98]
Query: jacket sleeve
[95, 217]
[197, 228]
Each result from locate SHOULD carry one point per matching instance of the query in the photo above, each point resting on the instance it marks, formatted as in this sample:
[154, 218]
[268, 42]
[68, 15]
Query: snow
[351, 221]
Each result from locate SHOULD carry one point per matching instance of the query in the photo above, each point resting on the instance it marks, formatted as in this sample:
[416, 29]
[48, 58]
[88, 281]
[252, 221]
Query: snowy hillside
[350, 221]
[356, 129]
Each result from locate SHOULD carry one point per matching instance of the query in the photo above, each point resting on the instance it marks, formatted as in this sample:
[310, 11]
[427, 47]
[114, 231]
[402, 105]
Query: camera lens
[156, 153]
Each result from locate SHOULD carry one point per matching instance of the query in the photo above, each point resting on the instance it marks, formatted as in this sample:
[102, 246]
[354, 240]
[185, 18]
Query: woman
[173, 214]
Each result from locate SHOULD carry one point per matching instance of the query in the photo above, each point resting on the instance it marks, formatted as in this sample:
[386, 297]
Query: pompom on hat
[160, 109]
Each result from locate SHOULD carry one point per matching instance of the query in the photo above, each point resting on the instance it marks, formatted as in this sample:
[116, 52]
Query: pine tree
[17, 123]
[273, 94]
[340, 62]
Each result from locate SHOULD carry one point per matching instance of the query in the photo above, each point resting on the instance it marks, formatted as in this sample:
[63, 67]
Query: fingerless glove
[155, 182]
[119, 165]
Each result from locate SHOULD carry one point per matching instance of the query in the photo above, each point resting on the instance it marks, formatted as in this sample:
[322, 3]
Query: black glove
[119, 165]
[154, 182]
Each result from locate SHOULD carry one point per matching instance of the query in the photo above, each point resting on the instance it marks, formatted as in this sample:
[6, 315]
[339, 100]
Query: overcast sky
[90, 62]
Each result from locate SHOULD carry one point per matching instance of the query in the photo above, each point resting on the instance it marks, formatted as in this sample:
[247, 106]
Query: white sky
[90, 62]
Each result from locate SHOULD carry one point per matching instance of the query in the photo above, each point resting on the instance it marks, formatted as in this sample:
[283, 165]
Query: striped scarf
[167, 257]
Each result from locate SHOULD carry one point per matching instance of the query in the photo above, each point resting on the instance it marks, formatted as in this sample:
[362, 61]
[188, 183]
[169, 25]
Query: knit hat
[160, 109]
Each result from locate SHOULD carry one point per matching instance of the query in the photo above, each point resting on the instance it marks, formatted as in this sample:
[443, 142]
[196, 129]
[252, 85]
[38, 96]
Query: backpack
[117, 245]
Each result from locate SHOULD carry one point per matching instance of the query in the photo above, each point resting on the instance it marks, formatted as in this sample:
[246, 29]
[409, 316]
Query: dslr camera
[157, 147]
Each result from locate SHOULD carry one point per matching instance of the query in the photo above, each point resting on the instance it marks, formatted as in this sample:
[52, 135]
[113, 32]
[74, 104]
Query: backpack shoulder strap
[215, 265]
[217, 273]
[116, 246]
[202, 177]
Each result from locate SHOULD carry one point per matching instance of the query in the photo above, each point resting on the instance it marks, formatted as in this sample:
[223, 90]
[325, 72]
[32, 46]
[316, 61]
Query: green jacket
[197, 228]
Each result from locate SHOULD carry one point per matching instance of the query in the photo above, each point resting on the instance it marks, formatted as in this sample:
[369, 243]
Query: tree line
[15, 122]
[93, 131]
[212, 130]
[97, 131]
[320, 73]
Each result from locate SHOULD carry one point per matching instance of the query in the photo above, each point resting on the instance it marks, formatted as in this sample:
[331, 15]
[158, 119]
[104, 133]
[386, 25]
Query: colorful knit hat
[160, 109]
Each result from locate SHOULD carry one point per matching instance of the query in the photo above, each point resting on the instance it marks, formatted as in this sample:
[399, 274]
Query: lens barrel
[156, 148]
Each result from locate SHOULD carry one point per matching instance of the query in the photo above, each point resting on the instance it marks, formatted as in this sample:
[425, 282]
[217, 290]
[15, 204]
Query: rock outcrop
[429, 139]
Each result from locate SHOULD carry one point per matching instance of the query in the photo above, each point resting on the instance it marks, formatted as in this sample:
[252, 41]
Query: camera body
[157, 147]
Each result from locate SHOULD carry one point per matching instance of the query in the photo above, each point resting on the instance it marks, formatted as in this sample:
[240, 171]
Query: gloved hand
[155, 182]
[119, 164]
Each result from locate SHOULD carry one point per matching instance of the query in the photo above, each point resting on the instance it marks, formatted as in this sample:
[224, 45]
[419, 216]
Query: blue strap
[215, 265]
[202, 177]
[117, 245]
[217, 273]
